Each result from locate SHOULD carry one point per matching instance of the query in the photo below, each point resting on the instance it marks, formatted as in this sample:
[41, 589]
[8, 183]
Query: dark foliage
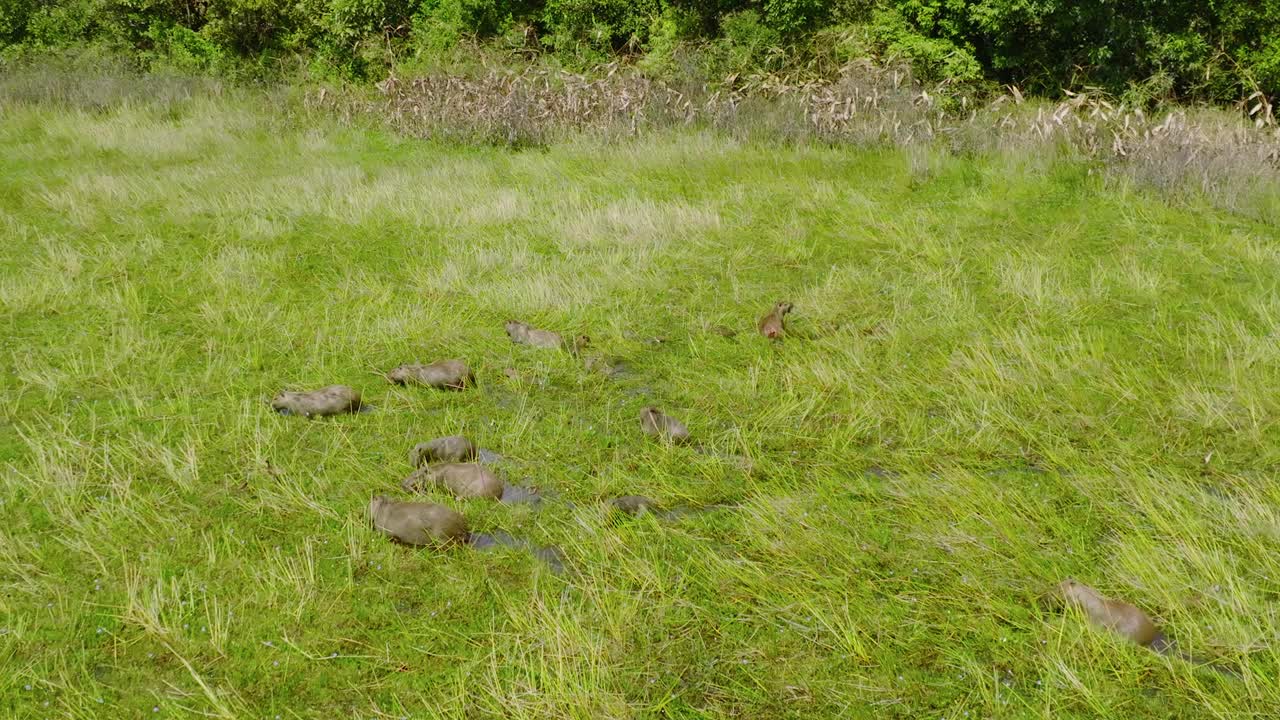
[1151, 49]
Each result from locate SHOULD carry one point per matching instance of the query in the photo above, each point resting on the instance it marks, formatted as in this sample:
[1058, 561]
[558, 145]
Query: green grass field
[1002, 372]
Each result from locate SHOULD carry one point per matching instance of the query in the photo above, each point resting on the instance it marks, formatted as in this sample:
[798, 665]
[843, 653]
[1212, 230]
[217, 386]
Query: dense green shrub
[746, 42]
[1212, 50]
[184, 49]
[665, 35]
[359, 18]
[55, 24]
[249, 27]
[848, 12]
[929, 39]
[1249, 33]
[13, 20]
[1148, 49]
[440, 24]
[135, 21]
[791, 17]
[598, 26]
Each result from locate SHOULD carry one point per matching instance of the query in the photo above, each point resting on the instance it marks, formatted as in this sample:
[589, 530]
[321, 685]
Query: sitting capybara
[451, 448]
[464, 480]
[445, 375]
[524, 334]
[417, 523]
[772, 325]
[653, 422]
[331, 400]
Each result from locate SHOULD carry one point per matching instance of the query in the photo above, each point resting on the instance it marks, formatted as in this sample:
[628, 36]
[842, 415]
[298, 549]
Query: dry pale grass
[1230, 158]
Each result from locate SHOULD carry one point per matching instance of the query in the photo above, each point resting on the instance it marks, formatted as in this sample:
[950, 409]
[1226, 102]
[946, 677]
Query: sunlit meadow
[1002, 370]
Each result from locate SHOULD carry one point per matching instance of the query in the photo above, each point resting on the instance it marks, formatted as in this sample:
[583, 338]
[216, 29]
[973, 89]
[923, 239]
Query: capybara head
[280, 403]
[376, 505]
[1072, 589]
[1067, 591]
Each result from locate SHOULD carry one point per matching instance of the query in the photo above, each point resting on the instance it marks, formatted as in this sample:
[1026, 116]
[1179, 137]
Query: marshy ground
[1002, 371]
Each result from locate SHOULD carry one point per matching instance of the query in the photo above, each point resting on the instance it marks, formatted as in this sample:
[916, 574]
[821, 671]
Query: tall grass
[1004, 369]
[1232, 159]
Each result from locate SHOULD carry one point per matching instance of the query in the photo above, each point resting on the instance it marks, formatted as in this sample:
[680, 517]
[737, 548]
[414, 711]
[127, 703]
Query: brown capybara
[417, 523]
[633, 504]
[451, 448]
[331, 400]
[664, 427]
[1129, 622]
[524, 334]
[610, 367]
[445, 375]
[464, 480]
[1115, 615]
[772, 325]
